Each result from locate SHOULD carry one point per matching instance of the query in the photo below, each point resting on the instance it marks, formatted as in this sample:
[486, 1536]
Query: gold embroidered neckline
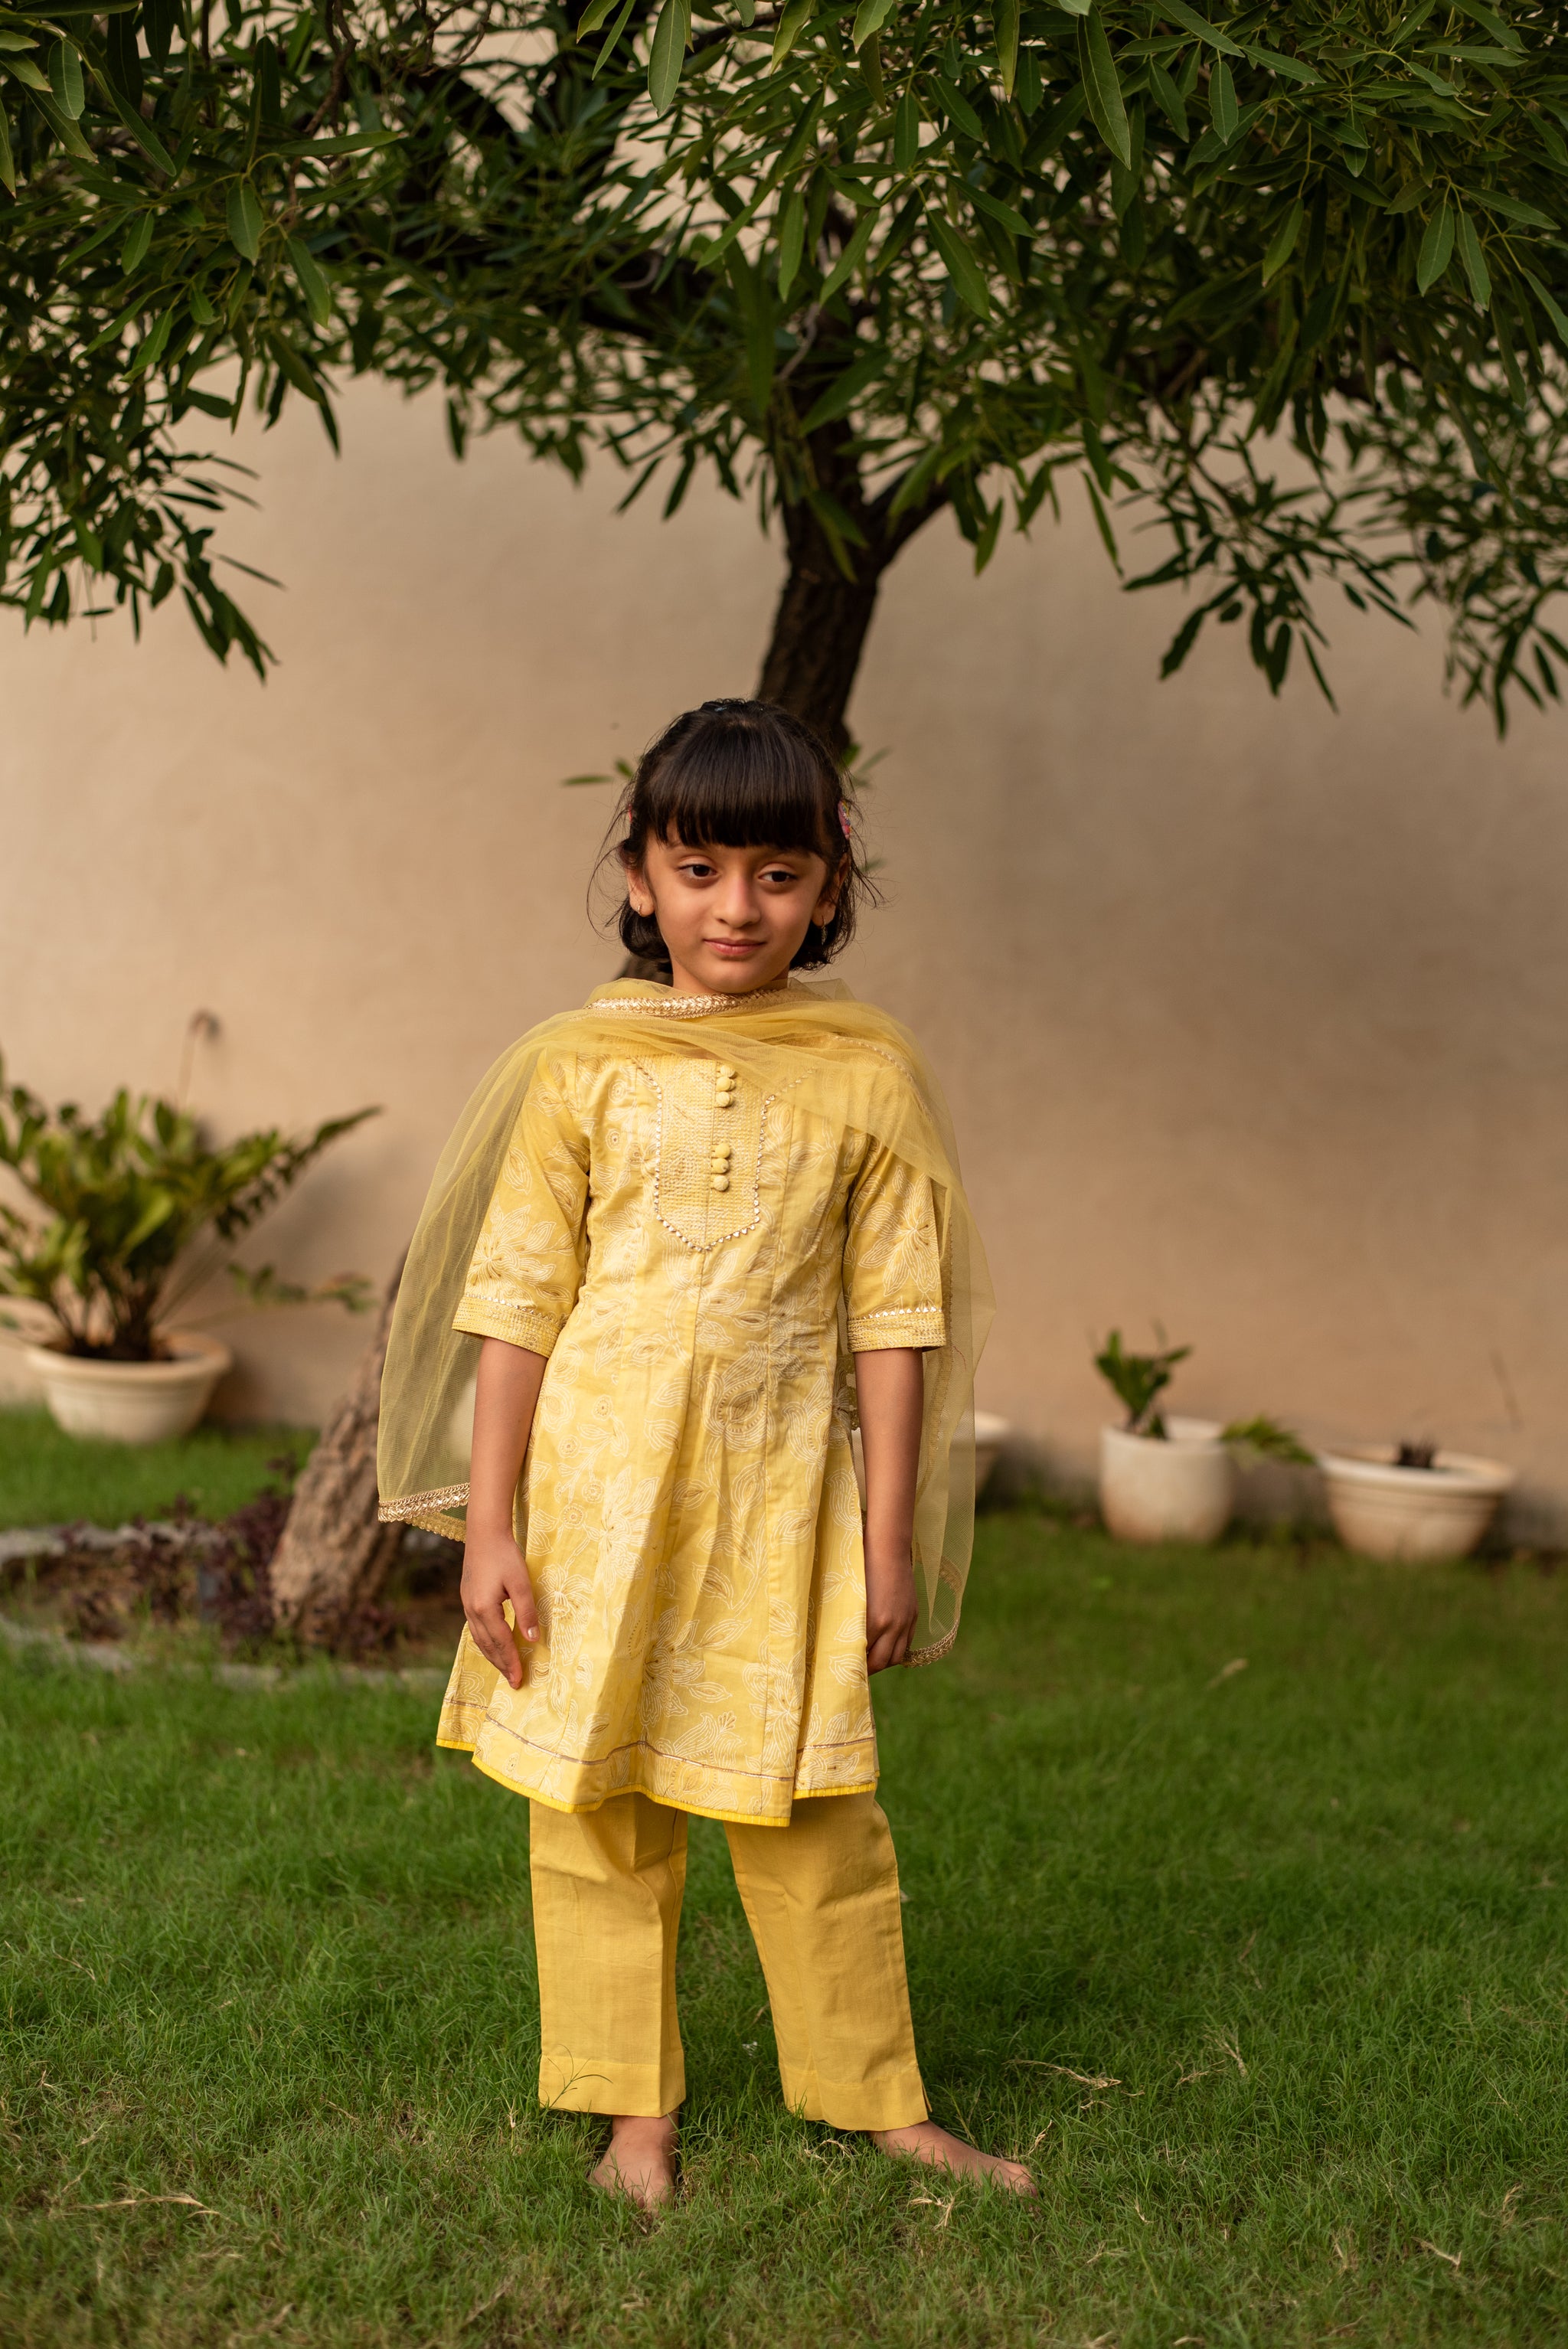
[694, 1006]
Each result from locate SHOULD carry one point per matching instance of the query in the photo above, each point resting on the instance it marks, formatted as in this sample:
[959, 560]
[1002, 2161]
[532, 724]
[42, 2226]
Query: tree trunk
[819, 629]
[334, 1554]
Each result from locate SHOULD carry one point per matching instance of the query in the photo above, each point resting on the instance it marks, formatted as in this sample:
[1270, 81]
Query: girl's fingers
[492, 1638]
[525, 1612]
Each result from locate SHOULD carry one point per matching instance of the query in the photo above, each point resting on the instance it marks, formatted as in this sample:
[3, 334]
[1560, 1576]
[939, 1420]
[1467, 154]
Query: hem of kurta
[665, 1802]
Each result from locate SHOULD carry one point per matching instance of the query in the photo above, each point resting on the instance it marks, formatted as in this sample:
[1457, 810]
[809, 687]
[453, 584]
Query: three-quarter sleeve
[528, 1266]
[892, 1259]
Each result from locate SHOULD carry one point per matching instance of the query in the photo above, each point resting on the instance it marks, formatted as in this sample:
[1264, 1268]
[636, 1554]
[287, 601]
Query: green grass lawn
[47, 1477]
[1265, 1972]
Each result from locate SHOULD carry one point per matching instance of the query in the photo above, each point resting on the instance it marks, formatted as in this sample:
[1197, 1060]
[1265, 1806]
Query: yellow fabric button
[726, 1073]
[721, 1182]
[724, 1100]
[720, 1166]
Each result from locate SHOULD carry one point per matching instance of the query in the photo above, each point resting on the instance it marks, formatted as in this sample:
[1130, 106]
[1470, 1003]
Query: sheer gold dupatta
[838, 1061]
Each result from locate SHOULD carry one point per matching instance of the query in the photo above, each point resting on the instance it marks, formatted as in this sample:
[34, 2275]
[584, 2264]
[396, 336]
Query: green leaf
[1013, 221]
[1005, 17]
[293, 367]
[1170, 100]
[65, 79]
[17, 41]
[869, 18]
[1076, 7]
[313, 282]
[138, 237]
[607, 45]
[1490, 23]
[1282, 244]
[146, 138]
[150, 347]
[1527, 215]
[1474, 260]
[1559, 317]
[1224, 110]
[841, 396]
[854, 253]
[64, 128]
[791, 241]
[593, 15]
[1102, 87]
[957, 106]
[8, 161]
[1436, 245]
[348, 142]
[916, 483]
[797, 15]
[667, 58]
[1292, 67]
[1181, 15]
[27, 71]
[906, 123]
[985, 543]
[244, 217]
[959, 261]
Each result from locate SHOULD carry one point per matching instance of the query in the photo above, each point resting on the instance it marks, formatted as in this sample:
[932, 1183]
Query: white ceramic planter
[131, 1402]
[1385, 1511]
[1178, 1487]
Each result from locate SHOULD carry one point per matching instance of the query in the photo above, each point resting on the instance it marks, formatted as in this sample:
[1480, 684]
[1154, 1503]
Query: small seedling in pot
[1139, 1380]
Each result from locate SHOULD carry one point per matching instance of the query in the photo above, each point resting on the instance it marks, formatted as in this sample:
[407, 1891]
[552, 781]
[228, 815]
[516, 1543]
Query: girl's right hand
[493, 1571]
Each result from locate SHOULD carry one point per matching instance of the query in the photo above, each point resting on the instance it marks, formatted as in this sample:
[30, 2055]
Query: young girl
[679, 1241]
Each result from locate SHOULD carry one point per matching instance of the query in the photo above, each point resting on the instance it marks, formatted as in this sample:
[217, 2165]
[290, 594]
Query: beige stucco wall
[1253, 1019]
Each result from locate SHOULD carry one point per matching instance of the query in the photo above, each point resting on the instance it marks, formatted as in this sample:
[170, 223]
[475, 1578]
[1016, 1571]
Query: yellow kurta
[695, 1258]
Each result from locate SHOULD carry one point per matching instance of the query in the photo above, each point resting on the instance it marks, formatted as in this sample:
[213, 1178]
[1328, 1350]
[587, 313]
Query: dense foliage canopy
[1288, 280]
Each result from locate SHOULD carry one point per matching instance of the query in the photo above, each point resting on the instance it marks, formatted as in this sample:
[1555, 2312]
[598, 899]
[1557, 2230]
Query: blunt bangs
[740, 785]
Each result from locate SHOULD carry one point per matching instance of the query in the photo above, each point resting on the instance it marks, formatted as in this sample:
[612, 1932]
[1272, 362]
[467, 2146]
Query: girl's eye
[782, 874]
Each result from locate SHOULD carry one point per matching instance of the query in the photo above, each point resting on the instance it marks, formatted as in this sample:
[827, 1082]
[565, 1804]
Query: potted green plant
[139, 1209]
[1412, 1500]
[1166, 1478]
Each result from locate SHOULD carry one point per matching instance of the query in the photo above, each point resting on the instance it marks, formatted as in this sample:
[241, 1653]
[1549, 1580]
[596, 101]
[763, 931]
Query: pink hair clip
[844, 819]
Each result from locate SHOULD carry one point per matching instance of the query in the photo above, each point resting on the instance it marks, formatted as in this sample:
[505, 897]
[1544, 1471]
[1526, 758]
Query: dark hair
[741, 774]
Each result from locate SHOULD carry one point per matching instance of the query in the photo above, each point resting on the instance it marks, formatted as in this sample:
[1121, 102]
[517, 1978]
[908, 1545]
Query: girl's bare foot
[640, 2160]
[927, 2141]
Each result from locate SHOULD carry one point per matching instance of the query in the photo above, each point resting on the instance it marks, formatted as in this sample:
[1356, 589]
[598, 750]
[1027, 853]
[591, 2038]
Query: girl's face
[733, 918]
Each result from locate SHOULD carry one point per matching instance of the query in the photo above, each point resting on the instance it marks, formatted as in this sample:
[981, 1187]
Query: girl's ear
[827, 904]
[638, 891]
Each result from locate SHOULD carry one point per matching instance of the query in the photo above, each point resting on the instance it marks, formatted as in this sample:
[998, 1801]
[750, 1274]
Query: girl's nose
[738, 905]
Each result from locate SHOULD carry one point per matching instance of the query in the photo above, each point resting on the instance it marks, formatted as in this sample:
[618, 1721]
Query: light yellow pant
[821, 1898]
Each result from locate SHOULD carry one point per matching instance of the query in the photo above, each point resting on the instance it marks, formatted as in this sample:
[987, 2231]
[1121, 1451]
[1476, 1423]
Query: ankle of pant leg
[585, 2084]
[896, 2102]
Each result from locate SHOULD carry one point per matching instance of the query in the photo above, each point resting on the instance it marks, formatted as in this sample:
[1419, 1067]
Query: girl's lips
[733, 949]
